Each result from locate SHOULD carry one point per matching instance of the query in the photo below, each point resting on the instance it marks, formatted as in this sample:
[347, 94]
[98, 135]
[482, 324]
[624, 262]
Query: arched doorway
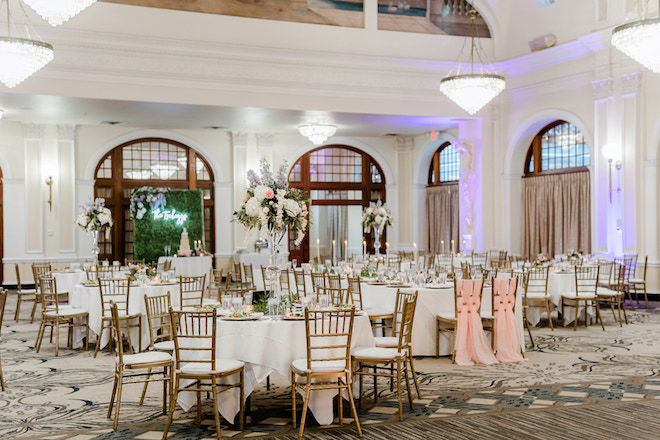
[341, 181]
[155, 162]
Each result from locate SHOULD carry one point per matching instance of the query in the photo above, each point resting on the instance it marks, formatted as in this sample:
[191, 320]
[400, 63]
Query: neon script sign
[179, 217]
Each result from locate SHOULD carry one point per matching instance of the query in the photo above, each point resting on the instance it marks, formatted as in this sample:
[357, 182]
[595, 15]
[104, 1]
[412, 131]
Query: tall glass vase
[274, 237]
[95, 248]
[376, 240]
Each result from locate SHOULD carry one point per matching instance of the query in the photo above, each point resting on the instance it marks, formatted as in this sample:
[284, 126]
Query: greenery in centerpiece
[540, 260]
[376, 215]
[149, 271]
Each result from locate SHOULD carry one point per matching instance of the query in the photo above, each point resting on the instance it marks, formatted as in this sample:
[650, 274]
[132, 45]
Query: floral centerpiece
[95, 217]
[541, 260]
[272, 207]
[376, 216]
[138, 271]
[573, 255]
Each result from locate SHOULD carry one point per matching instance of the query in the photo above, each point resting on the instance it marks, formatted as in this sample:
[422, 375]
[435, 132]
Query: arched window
[151, 162]
[442, 200]
[556, 193]
[557, 147]
[341, 181]
[445, 165]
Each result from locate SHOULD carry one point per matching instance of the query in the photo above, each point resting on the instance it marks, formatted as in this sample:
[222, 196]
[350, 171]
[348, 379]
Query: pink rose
[269, 194]
[375, 212]
[86, 214]
[246, 198]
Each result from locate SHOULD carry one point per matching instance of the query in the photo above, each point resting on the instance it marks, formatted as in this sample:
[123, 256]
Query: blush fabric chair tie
[506, 341]
[471, 343]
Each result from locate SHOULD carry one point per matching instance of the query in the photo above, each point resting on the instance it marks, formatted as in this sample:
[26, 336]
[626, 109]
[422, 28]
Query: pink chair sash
[507, 344]
[471, 344]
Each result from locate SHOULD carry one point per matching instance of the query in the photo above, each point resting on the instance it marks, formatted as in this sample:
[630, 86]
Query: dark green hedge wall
[151, 236]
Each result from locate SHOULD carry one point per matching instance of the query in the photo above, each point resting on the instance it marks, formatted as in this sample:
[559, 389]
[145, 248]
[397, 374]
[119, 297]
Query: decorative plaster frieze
[264, 140]
[66, 132]
[33, 131]
[239, 139]
[630, 83]
[404, 144]
[603, 88]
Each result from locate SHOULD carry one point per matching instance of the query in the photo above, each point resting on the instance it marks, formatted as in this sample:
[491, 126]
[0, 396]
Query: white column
[239, 146]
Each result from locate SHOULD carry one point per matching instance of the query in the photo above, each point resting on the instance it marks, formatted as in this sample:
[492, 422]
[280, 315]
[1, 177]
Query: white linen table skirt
[66, 281]
[558, 283]
[190, 266]
[268, 346]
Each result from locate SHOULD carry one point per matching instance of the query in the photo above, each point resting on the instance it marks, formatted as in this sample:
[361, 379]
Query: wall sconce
[613, 154]
[49, 182]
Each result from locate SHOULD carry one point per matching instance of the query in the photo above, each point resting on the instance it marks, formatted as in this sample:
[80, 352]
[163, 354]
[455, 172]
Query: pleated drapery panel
[556, 214]
[442, 219]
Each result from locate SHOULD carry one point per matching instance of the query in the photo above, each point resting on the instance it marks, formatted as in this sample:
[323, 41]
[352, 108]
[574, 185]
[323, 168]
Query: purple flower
[253, 179]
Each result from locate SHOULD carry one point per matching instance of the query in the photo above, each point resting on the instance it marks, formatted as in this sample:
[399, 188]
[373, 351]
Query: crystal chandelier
[639, 40]
[317, 133]
[472, 91]
[57, 12]
[21, 57]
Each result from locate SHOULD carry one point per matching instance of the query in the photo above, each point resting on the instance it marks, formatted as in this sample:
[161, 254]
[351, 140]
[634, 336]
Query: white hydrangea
[261, 191]
[292, 207]
[253, 207]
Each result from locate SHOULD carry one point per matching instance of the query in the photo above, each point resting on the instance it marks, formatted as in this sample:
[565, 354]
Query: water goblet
[225, 300]
[247, 297]
[324, 301]
[273, 305]
[237, 304]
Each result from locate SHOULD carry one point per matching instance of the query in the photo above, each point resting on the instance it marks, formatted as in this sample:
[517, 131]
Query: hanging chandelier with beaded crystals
[317, 133]
[21, 57]
[57, 12]
[472, 91]
[639, 40]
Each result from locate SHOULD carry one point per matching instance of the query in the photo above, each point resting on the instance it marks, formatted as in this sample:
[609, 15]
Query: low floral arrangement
[541, 260]
[95, 217]
[146, 196]
[272, 206]
[134, 270]
[376, 215]
[572, 254]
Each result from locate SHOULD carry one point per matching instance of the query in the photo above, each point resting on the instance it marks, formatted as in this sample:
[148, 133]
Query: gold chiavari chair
[284, 280]
[535, 284]
[333, 280]
[638, 285]
[158, 319]
[23, 295]
[238, 274]
[613, 296]
[39, 270]
[377, 361]
[55, 317]
[586, 283]
[299, 275]
[328, 362]
[131, 368]
[133, 262]
[215, 281]
[336, 296]
[191, 291]
[318, 280]
[248, 279]
[198, 360]
[117, 292]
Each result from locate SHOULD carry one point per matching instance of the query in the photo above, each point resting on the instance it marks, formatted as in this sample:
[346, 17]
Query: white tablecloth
[558, 283]
[89, 299]
[268, 346]
[189, 266]
[258, 259]
[66, 281]
[431, 303]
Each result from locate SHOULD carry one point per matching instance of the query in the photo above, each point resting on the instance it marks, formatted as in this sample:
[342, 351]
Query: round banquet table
[89, 299]
[431, 303]
[66, 281]
[558, 283]
[268, 346]
[189, 266]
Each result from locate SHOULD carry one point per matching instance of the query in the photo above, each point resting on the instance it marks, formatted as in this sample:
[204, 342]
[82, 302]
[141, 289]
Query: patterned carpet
[586, 378]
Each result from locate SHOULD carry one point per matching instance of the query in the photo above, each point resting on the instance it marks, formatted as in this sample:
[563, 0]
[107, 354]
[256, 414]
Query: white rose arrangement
[272, 206]
[376, 215]
[94, 216]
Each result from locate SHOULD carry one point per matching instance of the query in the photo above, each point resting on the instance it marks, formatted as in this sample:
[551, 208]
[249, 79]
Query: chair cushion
[637, 280]
[487, 316]
[537, 295]
[70, 311]
[164, 346]
[221, 366]
[602, 291]
[387, 341]
[573, 295]
[380, 353]
[447, 316]
[337, 366]
[148, 357]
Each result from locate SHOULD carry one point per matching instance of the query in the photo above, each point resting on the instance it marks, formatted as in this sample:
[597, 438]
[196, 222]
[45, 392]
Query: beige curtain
[556, 214]
[442, 219]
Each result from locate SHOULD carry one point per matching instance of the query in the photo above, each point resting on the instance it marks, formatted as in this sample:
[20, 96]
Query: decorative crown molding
[630, 83]
[33, 131]
[239, 139]
[66, 132]
[603, 88]
[404, 143]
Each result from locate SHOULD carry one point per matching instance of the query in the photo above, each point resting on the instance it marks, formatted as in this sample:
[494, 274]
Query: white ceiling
[41, 109]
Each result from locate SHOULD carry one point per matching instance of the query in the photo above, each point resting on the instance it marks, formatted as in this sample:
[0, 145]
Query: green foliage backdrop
[151, 236]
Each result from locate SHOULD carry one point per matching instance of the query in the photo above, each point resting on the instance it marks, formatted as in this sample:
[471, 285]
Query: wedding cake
[184, 246]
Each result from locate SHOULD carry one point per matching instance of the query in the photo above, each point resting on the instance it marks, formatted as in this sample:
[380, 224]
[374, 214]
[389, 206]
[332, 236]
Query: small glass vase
[376, 241]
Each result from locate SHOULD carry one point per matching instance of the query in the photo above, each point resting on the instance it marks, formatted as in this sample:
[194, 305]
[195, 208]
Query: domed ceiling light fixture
[639, 40]
[20, 58]
[57, 12]
[472, 91]
[317, 133]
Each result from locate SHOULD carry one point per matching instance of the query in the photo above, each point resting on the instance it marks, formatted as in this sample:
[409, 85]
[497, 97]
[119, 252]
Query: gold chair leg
[398, 388]
[214, 390]
[293, 399]
[304, 410]
[414, 373]
[116, 423]
[353, 410]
